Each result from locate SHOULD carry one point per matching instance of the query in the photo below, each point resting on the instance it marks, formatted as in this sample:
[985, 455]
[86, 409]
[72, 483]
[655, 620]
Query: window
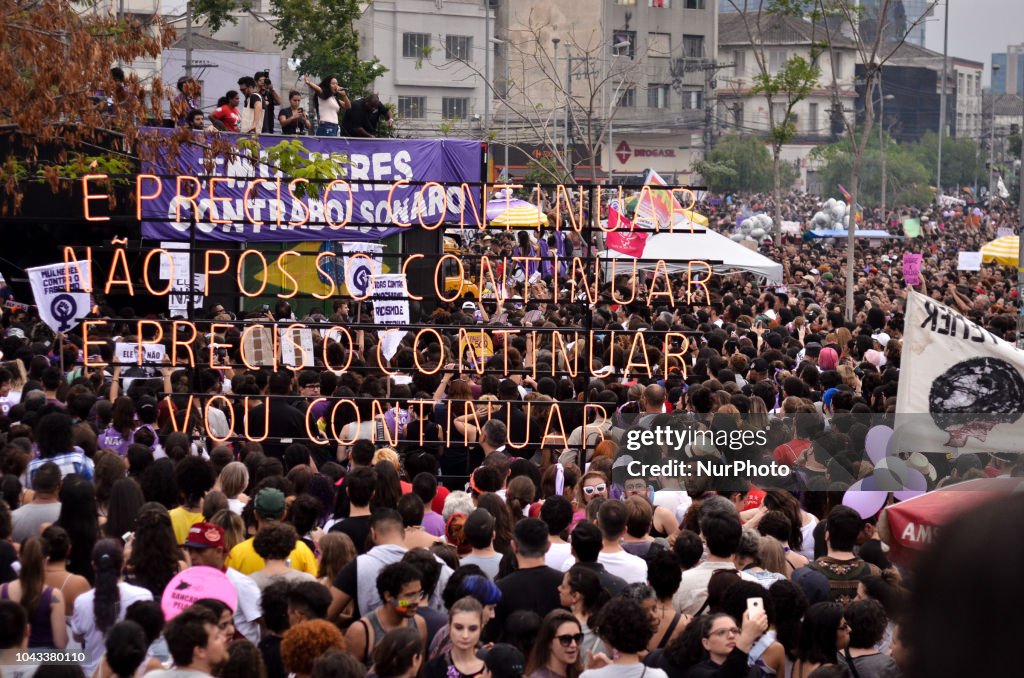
[627, 99]
[739, 57]
[458, 47]
[737, 114]
[625, 2]
[694, 4]
[776, 60]
[837, 64]
[412, 107]
[624, 43]
[693, 46]
[693, 99]
[812, 119]
[664, 4]
[657, 96]
[454, 108]
[415, 45]
[659, 45]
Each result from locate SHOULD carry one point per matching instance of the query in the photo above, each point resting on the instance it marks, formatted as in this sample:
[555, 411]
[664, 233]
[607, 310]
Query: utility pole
[188, 39]
[555, 41]
[1020, 250]
[568, 111]
[942, 104]
[992, 139]
[487, 65]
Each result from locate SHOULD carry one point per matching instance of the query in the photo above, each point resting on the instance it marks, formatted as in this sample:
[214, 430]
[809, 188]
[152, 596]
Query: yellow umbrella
[1004, 251]
[522, 215]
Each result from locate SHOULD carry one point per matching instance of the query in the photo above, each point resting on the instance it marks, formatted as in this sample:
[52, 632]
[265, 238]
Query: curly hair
[155, 554]
[395, 652]
[304, 642]
[625, 626]
[275, 541]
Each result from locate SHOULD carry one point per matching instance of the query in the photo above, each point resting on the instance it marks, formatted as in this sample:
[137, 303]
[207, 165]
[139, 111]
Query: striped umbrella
[1004, 251]
[515, 212]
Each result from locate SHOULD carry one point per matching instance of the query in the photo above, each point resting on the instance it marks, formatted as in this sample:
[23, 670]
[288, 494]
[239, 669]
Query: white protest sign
[969, 261]
[59, 291]
[180, 259]
[127, 353]
[360, 270]
[300, 338]
[177, 300]
[961, 387]
[390, 307]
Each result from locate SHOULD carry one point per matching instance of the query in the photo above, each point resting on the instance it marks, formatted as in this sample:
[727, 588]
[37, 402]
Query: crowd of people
[251, 109]
[459, 540]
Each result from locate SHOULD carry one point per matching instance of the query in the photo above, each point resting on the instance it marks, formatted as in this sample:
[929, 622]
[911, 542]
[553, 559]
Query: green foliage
[907, 177]
[295, 161]
[786, 88]
[543, 170]
[737, 163]
[119, 168]
[959, 158]
[320, 33]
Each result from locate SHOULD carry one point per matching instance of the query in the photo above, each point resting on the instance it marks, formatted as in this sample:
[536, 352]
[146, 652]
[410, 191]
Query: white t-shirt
[676, 501]
[807, 548]
[328, 109]
[8, 401]
[624, 671]
[249, 610]
[631, 568]
[83, 621]
[557, 555]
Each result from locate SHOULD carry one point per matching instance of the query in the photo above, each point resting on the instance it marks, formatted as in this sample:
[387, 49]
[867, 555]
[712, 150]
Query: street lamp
[621, 44]
[555, 41]
[992, 137]
[881, 137]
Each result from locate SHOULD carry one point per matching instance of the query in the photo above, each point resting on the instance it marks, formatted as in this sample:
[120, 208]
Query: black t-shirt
[438, 668]
[297, 127]
[358, 530]
[359, 115]
[268, 112]
[347, 582]
[535, 588]
[270, 648]
[8, 556]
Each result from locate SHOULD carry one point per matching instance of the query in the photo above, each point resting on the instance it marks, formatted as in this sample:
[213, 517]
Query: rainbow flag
[656, 206]
[858, 211]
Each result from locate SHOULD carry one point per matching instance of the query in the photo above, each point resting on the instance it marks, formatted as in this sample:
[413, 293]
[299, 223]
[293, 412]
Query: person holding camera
[293, 119]
[271, 100]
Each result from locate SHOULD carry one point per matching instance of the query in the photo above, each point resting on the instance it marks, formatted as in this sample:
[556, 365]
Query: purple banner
[271, 212]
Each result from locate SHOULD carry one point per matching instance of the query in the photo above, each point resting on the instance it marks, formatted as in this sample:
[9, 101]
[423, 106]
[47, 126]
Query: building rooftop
[773, 29]
[208, 44]
[911, 52]
[1004, 104]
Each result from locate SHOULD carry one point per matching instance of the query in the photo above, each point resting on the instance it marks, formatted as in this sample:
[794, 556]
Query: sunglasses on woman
[570, 638]
[591, 489]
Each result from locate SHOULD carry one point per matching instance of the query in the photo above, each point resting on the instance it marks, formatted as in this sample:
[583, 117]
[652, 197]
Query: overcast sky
[977, 28]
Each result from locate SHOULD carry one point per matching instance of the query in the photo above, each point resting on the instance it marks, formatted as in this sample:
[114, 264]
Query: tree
[741, 163]
[842, 19]
[320, 33]
[63, 101]
[782, 89]
[906, 175]
[959, 157]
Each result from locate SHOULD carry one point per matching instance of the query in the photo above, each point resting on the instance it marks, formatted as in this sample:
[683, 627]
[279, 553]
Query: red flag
[622, 238]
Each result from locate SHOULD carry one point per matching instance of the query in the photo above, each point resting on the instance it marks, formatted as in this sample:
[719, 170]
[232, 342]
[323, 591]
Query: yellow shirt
[181, 521]
[245, 559]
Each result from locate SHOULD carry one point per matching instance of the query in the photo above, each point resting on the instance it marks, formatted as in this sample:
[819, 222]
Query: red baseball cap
[205, 536]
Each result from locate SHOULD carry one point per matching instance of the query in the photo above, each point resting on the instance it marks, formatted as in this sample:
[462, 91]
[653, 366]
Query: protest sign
[296, 342]
[360, 270]
[390, 307]
[178, 259]
[127, 353]
[969, 261]
[59, 291]
[912, 228]
[961, 387]
[912, 268]
[177, 300]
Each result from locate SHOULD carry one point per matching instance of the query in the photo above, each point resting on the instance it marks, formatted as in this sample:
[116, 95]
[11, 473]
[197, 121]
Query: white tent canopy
[678, 249]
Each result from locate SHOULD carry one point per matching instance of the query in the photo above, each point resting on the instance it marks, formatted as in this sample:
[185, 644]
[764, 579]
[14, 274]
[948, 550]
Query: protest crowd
[493, 539]
[257, 107]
